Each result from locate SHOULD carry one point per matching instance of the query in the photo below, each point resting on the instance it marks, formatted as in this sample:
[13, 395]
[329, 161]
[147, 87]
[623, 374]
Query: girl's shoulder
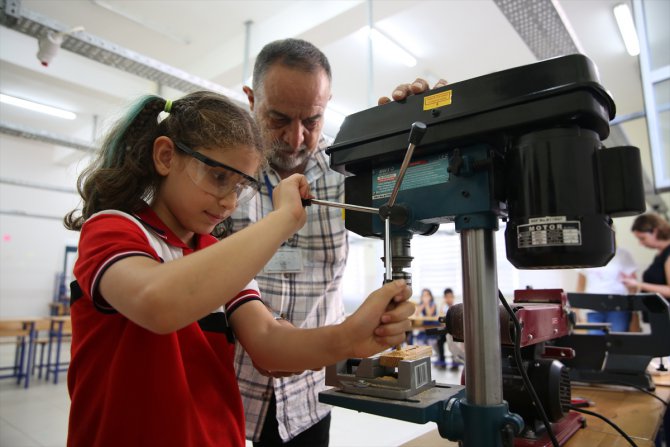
[110, 216]
[111, 221]
[115, 224]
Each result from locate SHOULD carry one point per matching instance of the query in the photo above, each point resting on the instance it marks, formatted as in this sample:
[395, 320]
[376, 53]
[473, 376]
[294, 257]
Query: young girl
[427, 306]
[151, 349]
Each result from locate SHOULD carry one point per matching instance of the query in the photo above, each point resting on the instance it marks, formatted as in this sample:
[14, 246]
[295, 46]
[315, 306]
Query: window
[436, 265]
[654, 34]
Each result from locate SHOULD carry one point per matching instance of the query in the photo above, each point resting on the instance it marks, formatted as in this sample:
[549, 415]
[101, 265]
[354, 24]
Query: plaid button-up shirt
[308, 299]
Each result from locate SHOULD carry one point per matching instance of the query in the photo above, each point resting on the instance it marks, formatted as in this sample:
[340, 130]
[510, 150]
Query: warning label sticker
[549, 231]
[437, 100]
[420, 173]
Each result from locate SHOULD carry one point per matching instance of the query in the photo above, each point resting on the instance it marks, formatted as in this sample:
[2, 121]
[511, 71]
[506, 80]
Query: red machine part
[543, 315]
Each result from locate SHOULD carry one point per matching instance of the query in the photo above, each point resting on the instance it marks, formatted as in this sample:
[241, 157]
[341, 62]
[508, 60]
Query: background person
[426, 308]
[447, 302]
[652, 231]
[609, 279]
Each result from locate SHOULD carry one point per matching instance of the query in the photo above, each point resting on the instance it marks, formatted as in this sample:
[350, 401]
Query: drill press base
[421, 408]
[563, 430]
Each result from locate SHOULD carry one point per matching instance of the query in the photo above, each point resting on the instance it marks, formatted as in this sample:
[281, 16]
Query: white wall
[32, 248]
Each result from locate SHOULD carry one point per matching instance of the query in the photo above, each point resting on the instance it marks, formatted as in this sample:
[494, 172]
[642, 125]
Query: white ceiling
[454, 39]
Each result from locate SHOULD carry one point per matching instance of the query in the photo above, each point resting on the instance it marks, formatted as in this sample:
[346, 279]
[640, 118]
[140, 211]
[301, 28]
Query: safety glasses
[217, 178]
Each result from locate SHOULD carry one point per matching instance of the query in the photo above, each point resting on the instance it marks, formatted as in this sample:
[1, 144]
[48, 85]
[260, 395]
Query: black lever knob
[417, 132]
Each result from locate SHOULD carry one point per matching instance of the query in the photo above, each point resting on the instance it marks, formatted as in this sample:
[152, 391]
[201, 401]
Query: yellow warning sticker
[437, 100]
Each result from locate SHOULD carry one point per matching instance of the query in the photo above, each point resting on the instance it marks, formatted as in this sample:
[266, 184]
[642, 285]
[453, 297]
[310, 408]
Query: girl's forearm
[169, 296]
[291, 349]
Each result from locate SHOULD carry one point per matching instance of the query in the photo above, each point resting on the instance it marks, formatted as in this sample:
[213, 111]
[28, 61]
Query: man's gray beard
[279, 160]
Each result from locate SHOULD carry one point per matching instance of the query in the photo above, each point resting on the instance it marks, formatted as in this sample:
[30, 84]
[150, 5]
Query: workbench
[636, 413]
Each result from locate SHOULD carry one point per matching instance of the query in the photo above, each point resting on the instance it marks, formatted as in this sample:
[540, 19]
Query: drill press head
[523, 145]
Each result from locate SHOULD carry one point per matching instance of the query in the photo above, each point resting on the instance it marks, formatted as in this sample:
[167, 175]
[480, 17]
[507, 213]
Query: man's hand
[404, 90]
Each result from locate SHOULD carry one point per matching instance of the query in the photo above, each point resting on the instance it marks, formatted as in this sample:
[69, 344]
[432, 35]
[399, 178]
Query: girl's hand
[286, 198]
[381, 321]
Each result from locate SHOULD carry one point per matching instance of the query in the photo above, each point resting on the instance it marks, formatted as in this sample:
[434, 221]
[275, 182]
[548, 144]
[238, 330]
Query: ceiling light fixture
[37, 107]
[392, 49]
[624, 19]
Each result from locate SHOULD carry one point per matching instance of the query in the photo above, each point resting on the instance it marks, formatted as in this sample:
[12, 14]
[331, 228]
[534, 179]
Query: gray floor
[37, 417]
[33, 417]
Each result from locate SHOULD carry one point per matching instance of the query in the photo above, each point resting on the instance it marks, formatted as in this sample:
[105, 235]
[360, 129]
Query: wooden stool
[60, 330]
[19, 332]
[41, 342]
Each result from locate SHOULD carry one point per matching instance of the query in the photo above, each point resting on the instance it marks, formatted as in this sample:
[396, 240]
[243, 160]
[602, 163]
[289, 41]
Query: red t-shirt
[130, 386]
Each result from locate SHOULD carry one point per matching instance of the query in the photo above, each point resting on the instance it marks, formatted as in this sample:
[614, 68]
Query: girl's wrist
[343, 343]
[288, 221]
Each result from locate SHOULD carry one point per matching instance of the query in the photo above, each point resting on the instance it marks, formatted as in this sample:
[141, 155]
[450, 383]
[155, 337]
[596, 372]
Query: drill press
[523, 145]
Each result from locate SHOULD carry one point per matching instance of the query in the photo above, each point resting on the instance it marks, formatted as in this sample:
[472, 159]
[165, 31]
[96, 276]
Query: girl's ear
[163, 155]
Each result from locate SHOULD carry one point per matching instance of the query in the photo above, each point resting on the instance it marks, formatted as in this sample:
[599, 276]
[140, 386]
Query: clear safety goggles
[217, 178]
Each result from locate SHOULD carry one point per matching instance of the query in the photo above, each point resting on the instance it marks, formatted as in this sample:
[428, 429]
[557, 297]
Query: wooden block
[410, 352]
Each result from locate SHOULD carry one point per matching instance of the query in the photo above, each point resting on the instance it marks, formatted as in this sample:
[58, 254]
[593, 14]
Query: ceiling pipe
[18, 213]
[247, 50]
[45, 137]
[94, 127]
[370, 56]
[14, 16]
[40, 186]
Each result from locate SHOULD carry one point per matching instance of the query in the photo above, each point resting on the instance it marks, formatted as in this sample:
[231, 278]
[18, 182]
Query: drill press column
[483, 376]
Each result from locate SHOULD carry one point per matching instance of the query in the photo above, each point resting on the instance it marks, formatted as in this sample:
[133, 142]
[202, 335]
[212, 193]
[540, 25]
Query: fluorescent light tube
[36, 107]
[624, 19]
